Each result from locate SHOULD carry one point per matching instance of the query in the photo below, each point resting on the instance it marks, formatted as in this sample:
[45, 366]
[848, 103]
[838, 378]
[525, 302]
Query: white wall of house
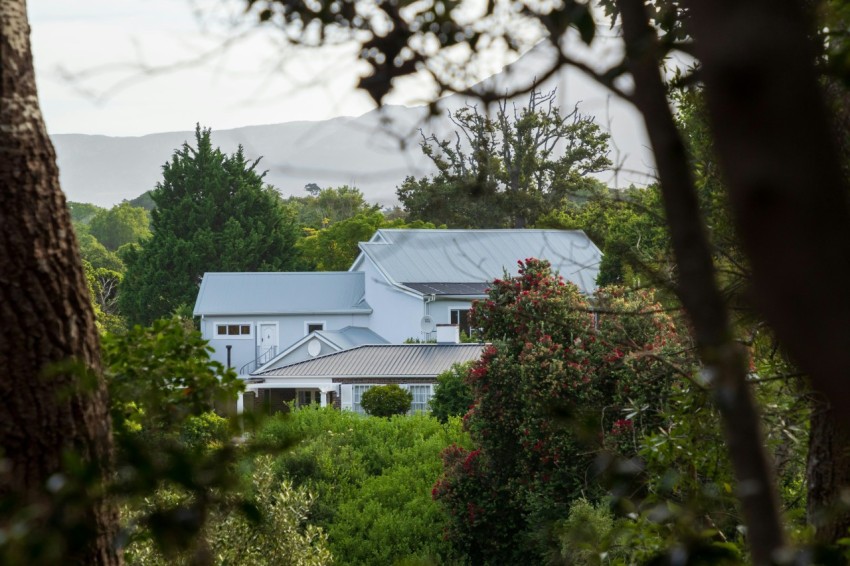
[396, 315]
[441, 309]
[289, 328]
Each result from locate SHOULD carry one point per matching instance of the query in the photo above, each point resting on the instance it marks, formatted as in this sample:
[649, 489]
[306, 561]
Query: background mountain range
[373, 152]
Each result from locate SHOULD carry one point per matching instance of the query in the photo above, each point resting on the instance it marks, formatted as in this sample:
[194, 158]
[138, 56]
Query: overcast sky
[91, 58]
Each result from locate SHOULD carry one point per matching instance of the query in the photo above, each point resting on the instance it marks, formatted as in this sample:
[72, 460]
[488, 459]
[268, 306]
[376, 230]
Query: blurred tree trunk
[782, 166]
[47, 316]
[722, 357]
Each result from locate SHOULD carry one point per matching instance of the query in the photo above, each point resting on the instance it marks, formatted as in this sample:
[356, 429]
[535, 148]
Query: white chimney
[448, 334]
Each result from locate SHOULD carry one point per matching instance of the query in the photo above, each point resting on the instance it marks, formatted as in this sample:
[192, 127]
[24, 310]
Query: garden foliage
[566, 386]
[386, 400]
[372, 479]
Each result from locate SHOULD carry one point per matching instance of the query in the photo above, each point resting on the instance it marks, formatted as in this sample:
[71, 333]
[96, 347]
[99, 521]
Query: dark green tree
[507, 170]
[213, 213]
[452, 395]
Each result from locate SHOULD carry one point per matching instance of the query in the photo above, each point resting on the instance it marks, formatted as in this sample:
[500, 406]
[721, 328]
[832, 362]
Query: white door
[268, 340]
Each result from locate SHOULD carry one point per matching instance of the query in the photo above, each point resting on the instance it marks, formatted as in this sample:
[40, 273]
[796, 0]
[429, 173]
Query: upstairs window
[237, 329]
[460, 317]
[313, 327]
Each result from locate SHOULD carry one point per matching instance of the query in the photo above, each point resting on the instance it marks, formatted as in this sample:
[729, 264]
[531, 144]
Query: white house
[411, 275]
[249, 317]
[404, 285]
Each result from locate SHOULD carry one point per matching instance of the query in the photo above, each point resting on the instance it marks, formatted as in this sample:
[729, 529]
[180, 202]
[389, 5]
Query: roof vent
[448, 334]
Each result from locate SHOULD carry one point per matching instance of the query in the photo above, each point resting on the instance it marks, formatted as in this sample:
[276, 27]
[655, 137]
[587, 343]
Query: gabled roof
[281, 293]
[343, 339]
[382, 361]
[351, 337]
[411, 258]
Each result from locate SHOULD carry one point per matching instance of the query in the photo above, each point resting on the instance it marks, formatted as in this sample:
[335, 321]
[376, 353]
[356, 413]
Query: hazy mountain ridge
[105, 170]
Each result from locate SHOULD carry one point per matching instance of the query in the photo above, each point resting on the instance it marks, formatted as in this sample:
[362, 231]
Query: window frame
[424, 406]
[357, 391]
[240, 336]
[309, 323]
[468, 329]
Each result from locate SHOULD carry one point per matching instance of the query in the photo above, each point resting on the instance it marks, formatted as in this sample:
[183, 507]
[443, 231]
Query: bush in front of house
[386, 400]
[452, 396]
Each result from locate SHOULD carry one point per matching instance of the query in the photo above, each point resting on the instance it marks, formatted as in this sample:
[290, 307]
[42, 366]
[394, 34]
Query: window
[357, 392]
[307, 397]
[233, 329]
[421, 397]
[313, 327]
[460, 317]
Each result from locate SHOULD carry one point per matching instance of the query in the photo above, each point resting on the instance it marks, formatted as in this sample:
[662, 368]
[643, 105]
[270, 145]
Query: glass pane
[455, 317]
[233, 330]
[246, 330]
[221, 330]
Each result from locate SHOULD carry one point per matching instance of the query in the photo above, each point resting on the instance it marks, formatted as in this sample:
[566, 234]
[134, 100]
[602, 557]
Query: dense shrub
[278, 534]
[559, 392]
[452, 395]
[386, 400]
[372, 479]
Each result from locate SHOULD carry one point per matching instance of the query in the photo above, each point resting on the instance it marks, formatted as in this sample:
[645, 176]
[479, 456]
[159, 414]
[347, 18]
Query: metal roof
[281, 293]
[389, 360]
[351, 336]
[457, 289]
[479, 256]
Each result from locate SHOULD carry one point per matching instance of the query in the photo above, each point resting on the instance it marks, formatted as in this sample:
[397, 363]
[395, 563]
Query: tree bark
[724, 360]
[47, 315]
[828, 474]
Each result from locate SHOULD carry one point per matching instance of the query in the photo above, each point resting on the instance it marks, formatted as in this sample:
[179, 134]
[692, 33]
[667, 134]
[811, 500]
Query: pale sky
[91, 55]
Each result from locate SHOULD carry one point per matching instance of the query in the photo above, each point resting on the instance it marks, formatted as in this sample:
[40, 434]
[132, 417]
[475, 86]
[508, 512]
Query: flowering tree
[562, 384]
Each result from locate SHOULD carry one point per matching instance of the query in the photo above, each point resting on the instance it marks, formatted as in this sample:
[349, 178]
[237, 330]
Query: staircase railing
[259, 361]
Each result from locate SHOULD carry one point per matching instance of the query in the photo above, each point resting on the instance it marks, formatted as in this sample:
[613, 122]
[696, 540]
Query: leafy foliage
[162, 375]
[324, 207]
[335, 247]
[506, 171]
[559, 388]
[386, 400]
[213, 213]
[372, 479]
[629, 228]
[121, 224]
[276, 531]
[452, 395]
[83, 212]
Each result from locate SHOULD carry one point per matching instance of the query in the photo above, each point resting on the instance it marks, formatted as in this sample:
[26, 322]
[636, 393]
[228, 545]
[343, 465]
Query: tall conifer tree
[213, 213]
